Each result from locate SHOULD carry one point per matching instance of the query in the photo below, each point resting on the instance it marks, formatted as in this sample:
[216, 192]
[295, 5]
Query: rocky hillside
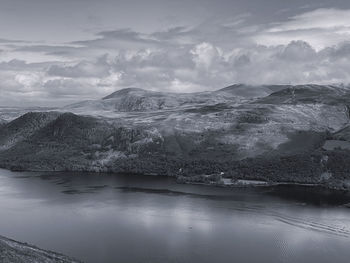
[275, 133]
[14, 252]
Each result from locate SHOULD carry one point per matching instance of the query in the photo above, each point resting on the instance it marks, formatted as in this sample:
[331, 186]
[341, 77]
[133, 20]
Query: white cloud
[204, 54]
[321, 28]
[27, 80]
[322, 18]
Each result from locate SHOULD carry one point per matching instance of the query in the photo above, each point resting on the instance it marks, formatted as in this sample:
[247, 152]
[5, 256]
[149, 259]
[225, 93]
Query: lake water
[115, 218]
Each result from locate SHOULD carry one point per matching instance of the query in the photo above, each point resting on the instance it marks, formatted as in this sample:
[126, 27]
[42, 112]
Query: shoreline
[236, 183]
[322, 193]
[19, 252]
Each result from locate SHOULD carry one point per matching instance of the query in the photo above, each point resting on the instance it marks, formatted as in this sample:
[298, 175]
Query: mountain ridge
[138, 100]
[214, 132]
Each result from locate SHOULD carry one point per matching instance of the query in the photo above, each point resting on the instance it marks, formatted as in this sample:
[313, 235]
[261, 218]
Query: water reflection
[105, 218]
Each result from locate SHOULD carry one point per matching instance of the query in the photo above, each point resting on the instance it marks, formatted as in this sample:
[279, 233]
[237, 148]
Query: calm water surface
[110, 218]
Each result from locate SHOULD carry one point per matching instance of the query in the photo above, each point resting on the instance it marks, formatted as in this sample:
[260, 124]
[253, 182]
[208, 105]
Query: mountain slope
[139, 100]
[248, 92]
[22, 127]
[2, 122]
[308, 94]
[243, 131]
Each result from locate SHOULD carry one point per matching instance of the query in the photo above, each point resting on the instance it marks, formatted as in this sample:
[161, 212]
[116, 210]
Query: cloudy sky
[55, 52]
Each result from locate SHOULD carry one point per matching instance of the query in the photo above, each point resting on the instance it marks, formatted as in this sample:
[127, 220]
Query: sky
[57, 52]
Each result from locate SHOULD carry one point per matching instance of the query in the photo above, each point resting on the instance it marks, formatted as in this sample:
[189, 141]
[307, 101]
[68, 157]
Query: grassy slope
[15, 252]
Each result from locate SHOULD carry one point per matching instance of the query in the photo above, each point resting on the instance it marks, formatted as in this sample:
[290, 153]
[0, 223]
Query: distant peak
[231, 87]
[123, 92]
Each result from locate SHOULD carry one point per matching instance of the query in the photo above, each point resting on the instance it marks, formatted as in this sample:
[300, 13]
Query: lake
[128, 218]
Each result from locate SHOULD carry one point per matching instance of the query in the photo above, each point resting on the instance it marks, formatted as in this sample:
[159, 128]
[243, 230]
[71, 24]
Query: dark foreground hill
[15, 252]
[273, 133]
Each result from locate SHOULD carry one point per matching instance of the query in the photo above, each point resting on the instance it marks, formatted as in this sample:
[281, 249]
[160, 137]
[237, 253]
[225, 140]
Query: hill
[274, 133]
[139, 100]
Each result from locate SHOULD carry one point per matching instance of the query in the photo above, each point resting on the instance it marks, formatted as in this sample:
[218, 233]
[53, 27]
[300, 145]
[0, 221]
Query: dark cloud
[83, 69]
[61, 50]
[2, 41]
[66, 88]
[22, 65]
[122, 38]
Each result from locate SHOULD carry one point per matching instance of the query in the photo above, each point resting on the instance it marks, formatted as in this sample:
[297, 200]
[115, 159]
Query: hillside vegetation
[15, 252]
[272, 133]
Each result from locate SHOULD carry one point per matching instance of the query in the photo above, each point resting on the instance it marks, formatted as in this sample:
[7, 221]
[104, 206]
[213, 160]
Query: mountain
[309, 94]
[139, 100]
[249, 91]
[274, 133]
